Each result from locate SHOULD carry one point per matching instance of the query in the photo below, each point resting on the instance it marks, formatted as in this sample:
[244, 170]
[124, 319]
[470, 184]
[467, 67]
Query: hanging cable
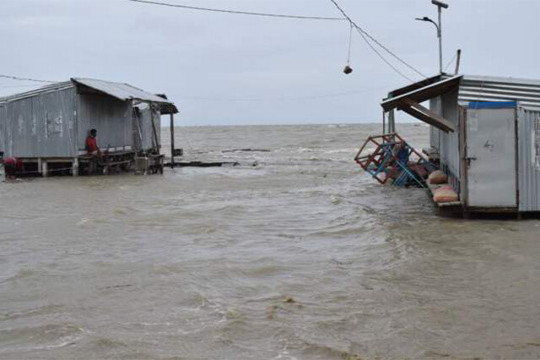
[18, 86]
[350, 44]
[365, 35]
[347, 70]
[299, 98]
[450, 62]
[383, 58]
[301, 17]
[25, 79]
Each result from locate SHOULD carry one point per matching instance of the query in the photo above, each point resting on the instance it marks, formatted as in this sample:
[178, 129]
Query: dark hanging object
[348, 69]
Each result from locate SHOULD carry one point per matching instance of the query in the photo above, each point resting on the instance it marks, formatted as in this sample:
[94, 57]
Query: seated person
[401, 152]
[91, 144]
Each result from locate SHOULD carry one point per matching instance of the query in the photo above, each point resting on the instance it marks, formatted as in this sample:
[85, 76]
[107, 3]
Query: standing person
[13, 167]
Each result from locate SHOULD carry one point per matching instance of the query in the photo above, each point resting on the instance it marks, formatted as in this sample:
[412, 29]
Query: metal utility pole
[458, 60]
[439, 5]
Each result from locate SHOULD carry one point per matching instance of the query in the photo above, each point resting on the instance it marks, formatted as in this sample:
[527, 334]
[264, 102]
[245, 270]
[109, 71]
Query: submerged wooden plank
[202, 164]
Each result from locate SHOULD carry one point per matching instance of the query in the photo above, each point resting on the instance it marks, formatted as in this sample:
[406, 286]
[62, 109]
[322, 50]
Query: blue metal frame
[407, 175]
[492, 104]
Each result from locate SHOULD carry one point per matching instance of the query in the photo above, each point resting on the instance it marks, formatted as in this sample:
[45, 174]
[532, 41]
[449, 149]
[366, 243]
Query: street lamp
[439, 5]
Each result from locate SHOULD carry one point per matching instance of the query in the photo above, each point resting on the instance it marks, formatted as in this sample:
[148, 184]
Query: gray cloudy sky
[206, 62]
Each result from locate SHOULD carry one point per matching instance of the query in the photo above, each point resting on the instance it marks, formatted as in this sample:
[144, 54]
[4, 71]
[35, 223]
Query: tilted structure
[486, 132]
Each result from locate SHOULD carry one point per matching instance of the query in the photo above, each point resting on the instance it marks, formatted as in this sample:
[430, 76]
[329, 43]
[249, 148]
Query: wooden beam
[422, 113]
[423, 94]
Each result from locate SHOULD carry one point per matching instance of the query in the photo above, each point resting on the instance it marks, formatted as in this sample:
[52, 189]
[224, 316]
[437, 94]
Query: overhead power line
[296, 98]
[382, 57]
[25, 79]
[450, 62]
[365, 35]
[301, 17]
[18, 86]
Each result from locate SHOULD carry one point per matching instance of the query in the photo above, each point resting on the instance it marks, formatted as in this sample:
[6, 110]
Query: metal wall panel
[450, 141]
[2, 127]
[147, 114]
[41, 125]
[435, 105]
[491, 150]
[529, 159]
[111, 118]
[447, 143]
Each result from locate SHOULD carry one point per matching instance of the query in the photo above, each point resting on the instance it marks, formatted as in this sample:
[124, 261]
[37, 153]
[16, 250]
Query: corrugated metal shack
[486, 133]
[49, 125]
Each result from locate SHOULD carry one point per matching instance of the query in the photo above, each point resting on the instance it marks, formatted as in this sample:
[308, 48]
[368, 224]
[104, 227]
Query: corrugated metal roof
[43, 89]
[487, 88]
[120, 91]
[422, 94]
[484, 88]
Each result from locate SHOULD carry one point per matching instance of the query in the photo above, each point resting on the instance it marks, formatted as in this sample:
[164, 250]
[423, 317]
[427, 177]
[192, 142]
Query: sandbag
[437, 177]
[444, 194]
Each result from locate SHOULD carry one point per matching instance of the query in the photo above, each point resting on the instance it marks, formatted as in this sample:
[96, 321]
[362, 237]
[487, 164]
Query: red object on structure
[13, 166]
[91, 145]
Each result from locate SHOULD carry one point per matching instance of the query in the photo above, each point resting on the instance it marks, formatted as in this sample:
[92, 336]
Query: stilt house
[486, 133]
[50, 125]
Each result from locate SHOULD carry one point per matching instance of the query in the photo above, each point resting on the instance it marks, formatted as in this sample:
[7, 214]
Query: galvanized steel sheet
[111, 118]
[54, 120]
[529, 159]
[41, 125]
[121, 91]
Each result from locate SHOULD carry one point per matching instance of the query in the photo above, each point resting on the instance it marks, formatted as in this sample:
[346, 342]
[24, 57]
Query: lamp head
[439, 3]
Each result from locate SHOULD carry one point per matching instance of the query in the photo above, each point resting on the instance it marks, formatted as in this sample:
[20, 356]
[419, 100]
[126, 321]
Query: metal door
[491, 155]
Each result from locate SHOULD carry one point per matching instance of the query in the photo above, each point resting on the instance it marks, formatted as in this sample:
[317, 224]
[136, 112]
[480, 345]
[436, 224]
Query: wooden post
[391, 122]
[458, 60]
[44, 168]
[172, 140]
[75, 167]
[154, 128]
[40, 166]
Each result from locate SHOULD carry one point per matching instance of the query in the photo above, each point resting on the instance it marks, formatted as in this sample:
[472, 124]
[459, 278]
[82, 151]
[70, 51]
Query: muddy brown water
[301, 256]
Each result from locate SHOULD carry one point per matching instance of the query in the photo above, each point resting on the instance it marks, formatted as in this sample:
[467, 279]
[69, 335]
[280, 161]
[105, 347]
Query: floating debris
[289, 300]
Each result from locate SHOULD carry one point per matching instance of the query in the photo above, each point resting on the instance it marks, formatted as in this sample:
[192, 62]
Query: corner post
[75, 167]
[44, 168]
[391, 122]
[172, 140]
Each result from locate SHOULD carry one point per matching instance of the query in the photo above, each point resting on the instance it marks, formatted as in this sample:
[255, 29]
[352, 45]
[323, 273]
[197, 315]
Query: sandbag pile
[444, 194]
[437, 177]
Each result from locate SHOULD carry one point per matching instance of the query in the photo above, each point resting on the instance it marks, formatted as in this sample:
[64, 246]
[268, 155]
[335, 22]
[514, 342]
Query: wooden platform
[109, 162]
